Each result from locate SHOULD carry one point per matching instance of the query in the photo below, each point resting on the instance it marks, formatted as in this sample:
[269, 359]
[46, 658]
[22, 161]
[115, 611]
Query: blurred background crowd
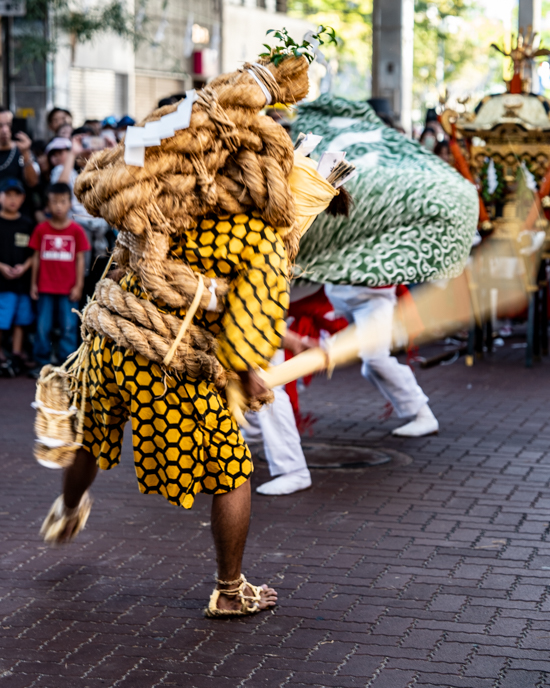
[51, 250]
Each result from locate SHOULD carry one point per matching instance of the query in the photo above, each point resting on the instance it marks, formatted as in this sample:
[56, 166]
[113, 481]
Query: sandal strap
[230, 593]
[255, 597]
[248, 602]
[233, 582]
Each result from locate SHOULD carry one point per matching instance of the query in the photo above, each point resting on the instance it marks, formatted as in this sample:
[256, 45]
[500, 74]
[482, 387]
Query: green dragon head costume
[414, 215]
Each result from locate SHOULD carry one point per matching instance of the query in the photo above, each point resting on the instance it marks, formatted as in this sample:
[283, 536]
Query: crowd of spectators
[51, 250]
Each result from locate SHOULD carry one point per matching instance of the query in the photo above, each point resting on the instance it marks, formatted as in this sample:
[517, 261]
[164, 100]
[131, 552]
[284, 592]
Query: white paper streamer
[530, 180]
[137, 139]
[492, 180]
[308, 144]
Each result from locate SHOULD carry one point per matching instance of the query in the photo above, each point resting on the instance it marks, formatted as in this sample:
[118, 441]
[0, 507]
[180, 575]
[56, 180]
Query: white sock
[287, 483]
[425, 413]
[424, 423]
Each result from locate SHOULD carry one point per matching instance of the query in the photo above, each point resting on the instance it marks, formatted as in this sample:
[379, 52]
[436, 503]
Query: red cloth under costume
[310, 318]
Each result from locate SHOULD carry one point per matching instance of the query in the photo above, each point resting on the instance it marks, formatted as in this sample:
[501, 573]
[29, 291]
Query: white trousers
[373, 309]
[276, 425]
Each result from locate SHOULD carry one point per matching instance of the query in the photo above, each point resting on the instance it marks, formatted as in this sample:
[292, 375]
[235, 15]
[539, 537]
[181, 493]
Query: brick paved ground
[430, 574]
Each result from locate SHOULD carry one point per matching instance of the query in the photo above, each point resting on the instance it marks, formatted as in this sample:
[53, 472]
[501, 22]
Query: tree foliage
[81, 21]
[352, 22]
[437, 24]
[441, 43]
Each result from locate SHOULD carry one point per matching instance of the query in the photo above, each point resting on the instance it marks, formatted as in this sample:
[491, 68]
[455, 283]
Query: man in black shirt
[15, 261]
[16, 160]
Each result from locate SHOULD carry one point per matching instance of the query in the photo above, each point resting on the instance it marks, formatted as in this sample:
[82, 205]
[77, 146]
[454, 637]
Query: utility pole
[529, 14]
[392, 56]
[6, 62]
[529, 17]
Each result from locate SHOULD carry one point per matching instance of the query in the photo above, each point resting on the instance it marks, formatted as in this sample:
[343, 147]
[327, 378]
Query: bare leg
[77, 480]
[230, 521]
[17, 340]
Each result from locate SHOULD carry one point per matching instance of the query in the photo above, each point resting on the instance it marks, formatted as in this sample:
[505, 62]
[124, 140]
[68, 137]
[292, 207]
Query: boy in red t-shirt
[57, 275]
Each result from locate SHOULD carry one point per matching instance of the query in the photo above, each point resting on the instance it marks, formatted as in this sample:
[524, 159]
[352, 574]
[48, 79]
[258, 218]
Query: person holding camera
[69, 161]
[16, 161]
[15, 156]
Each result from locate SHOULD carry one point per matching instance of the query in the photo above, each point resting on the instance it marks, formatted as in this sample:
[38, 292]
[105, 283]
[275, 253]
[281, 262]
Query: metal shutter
[150, 89]
[92, 94]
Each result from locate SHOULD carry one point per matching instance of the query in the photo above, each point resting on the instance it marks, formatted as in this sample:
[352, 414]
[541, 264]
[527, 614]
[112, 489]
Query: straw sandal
[60, 517]
[250, 604]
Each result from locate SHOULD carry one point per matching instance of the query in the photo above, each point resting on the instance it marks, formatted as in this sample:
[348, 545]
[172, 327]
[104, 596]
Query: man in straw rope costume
[209, 222]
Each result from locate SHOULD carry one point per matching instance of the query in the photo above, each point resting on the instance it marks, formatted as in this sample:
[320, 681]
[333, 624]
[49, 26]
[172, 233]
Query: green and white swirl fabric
[414, 215]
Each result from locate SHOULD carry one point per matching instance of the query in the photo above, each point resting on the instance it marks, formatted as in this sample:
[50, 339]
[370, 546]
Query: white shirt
[79, 212]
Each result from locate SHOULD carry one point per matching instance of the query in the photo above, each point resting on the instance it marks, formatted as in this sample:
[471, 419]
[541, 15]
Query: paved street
[425, 573]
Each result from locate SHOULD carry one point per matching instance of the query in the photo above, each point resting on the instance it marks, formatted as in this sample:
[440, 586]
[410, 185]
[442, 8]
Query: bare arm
[68, 167]
[29, 173]
[296, 344]
[22, 268]
[34, 275]
[72, 155]
[76, 291]
[6, 270]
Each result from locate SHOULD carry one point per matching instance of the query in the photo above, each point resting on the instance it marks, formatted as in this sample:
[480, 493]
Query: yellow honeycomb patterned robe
[184, 438]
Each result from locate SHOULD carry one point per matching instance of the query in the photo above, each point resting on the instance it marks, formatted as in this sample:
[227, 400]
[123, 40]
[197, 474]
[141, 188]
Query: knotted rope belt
[163, 338]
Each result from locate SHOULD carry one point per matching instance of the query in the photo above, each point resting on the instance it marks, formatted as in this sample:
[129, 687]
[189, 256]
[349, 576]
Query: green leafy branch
[289, 47]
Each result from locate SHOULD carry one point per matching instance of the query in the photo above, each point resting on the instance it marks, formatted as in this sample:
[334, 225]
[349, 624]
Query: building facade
[245, 23]
[112, 76]
[186, 43]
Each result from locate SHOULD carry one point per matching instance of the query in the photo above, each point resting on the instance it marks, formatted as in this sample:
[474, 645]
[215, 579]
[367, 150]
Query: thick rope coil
[171, 281]
[206, 181]
[110, 295]
[149, 344]
[186, 356]
[266, 78]
[208, 98]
